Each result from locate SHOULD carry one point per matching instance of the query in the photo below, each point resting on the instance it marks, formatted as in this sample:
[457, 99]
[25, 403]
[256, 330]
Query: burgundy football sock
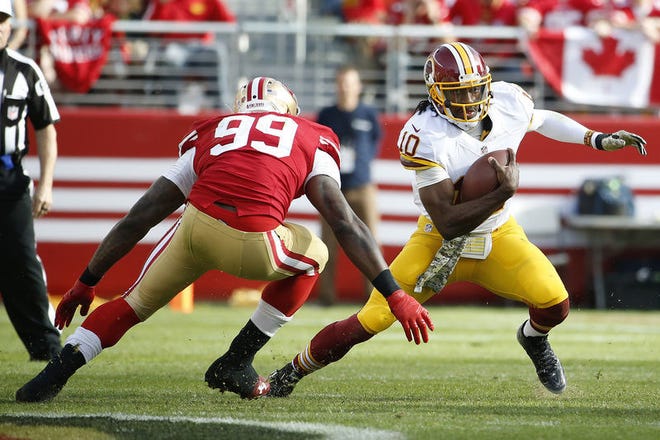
[330, 344]
[543, 320]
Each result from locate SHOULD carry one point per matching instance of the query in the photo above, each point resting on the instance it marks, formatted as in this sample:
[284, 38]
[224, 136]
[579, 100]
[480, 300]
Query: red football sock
[289, 294]
[330, 344]
[110, 321]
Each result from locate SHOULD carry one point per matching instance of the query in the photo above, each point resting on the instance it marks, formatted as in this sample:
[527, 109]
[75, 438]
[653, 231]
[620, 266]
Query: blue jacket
[359, 133]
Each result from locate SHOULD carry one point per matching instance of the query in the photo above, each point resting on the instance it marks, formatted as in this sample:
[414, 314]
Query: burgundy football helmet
[263, 94]
[458, 83]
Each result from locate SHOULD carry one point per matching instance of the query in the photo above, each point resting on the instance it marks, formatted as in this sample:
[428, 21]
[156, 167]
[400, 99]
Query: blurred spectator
[331, 8]
[75, 11]
[364, 11]
[646, 15]
[643, 15]
[189, 10]
[484, 12]
[423, 12]
[374, 12]
[418, 12]
[359, 131]
[191, 52]
[124, 9]
[556, 14]
[502, 52]
[133, 46]
[18, 33]
[130, 48]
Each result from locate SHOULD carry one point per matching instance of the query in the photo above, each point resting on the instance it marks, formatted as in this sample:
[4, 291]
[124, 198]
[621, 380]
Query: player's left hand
[79, 295]
[413, 317]
[622, 138]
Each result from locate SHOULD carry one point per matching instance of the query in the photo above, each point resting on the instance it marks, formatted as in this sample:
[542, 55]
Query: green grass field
[472, 381]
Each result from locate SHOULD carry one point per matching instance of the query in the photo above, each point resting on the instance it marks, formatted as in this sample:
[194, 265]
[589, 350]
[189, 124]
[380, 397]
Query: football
[481, 178]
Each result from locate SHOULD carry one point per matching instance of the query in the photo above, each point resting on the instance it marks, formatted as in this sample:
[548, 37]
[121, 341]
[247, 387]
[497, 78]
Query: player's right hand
[413, 317]
[80, 295]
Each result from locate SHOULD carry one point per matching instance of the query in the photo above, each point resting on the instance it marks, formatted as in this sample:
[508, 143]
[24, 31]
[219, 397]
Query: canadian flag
[619, 70]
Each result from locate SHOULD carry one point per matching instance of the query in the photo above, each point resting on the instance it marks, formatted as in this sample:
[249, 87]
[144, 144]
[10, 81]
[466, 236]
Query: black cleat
[240, 379]
[45, 355]
[283, 381]
[50, 381]
[548, 367]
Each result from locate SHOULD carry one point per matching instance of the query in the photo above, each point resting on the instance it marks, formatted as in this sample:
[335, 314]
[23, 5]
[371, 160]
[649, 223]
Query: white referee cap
[5, 7]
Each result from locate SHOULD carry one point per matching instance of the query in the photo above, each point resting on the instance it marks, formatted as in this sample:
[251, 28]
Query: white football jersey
[428, 140]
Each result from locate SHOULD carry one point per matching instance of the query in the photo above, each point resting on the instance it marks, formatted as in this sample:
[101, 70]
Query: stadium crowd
[532, 15]
[601, 15]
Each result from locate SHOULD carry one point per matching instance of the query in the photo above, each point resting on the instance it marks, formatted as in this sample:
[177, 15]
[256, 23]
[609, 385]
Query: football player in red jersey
[239, 174]
[464, 117]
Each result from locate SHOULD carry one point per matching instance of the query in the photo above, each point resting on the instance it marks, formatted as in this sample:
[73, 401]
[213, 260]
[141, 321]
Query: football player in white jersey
[465, 116]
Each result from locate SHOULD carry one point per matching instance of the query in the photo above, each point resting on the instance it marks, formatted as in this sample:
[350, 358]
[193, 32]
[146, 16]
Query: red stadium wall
[130, 135]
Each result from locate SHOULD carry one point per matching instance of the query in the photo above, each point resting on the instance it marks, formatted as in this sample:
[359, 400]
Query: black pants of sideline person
[23, 280]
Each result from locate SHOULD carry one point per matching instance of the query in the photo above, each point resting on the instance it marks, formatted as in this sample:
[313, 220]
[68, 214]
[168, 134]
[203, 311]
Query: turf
[472, 381]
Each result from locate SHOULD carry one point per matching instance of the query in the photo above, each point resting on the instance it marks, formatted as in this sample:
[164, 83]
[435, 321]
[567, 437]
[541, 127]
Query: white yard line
[333, 432]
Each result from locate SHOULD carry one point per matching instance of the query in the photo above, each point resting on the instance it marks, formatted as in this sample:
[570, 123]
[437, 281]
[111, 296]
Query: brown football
[481, 178]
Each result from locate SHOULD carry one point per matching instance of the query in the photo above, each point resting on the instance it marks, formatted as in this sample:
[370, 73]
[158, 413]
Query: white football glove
[620, 139]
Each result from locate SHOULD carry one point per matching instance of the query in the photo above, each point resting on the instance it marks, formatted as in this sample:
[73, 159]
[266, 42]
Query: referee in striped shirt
[25, 95]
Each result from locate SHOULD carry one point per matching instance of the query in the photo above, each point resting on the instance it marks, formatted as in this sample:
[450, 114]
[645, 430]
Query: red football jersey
[256, 162]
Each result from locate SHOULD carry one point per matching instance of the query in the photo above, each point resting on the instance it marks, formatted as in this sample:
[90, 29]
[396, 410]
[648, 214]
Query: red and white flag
[620, 70]
[79, 50]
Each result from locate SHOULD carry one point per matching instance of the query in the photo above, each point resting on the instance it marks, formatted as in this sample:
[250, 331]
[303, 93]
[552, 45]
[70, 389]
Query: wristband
[594, 141]
[385, 283]
[89, 278]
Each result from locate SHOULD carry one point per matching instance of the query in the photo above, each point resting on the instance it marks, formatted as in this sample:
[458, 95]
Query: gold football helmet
[264, 94]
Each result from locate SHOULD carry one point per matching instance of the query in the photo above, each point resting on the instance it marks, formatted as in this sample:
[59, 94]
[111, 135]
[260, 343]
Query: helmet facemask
[462, 101]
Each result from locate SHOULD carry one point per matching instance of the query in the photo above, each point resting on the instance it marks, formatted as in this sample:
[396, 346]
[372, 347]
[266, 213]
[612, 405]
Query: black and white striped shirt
[25, 95]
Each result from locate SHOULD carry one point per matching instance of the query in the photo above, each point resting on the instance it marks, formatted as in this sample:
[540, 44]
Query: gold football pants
[199, 243]
[515, 269]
